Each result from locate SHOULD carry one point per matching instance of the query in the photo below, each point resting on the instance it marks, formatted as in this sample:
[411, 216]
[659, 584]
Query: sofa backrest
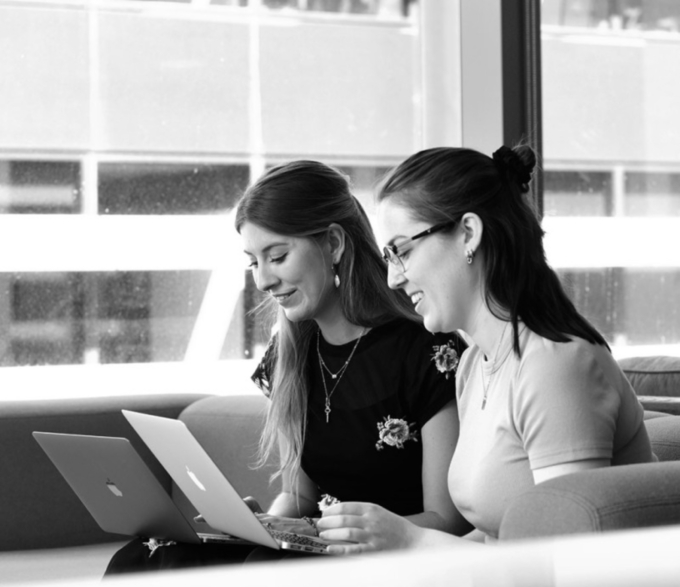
[228, 428]
[656, 381]
[38, 509]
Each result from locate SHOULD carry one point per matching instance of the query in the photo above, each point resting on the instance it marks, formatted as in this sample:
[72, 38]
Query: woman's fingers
[341, 521]
[345, 534]
[342, 549]
[356, 508]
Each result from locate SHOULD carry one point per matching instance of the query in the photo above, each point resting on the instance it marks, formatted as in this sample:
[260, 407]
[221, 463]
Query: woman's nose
[264, 279]
[395, 276]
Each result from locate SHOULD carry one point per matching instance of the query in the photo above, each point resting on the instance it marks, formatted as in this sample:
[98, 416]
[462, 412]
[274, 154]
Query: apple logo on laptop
[193, 477]
[112, 487]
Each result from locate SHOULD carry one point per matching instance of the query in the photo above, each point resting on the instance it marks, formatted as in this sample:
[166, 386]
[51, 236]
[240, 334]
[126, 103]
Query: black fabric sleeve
[264, 372]
[433, 362]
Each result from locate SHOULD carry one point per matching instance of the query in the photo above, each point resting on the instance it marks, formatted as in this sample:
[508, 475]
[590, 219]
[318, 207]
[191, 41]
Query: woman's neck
[339, 330]
[486, 331]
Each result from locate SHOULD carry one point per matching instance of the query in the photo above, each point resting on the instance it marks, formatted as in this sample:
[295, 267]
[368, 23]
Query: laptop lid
[116, 486]
[199, 477]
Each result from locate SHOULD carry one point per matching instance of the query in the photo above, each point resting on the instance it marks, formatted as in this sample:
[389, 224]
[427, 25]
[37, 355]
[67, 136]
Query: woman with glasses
[362, 397]
[539, 393]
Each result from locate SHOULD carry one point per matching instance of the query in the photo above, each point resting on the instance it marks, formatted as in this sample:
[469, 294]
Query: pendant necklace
[487, 384]
[335, 376]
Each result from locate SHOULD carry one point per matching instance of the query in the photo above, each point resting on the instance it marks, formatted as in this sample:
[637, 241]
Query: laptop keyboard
[299, 539]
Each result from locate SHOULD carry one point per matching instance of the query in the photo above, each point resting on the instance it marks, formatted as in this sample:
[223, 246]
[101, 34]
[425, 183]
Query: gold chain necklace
[337, 376]
[487, 384]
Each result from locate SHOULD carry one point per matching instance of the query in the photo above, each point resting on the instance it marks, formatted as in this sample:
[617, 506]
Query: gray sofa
[43, 513]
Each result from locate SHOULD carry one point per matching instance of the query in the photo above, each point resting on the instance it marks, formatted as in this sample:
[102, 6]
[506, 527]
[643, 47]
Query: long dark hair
[444, 183]
[301, 199]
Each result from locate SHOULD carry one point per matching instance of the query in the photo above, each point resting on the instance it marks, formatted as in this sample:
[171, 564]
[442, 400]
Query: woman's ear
[473, 228]
[336, 240]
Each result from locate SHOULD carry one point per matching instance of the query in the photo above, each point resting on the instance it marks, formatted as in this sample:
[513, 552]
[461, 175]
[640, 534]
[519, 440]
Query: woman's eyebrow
[395, 238]
[267, 248]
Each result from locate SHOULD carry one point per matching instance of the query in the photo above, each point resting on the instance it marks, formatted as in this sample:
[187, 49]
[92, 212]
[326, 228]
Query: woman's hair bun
[516, 164]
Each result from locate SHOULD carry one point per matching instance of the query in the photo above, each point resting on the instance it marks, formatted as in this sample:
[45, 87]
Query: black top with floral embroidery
[370, 449]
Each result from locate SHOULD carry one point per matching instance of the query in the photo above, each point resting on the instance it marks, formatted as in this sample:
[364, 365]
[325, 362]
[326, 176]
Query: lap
[134, 557]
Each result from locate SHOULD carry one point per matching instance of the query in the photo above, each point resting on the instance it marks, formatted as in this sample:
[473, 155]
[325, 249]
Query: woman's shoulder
[577, 355]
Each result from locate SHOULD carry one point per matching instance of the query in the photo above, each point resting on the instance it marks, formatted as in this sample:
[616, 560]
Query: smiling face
[295, 271]
[437, 278]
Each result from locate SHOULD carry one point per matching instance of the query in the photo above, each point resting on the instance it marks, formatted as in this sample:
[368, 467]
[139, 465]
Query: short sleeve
[433, 362]
[565, 409]
[264, 372]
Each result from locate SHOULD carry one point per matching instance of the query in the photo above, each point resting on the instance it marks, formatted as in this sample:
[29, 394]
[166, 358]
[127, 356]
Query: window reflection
[40, 187]
[154, 188]
[391, 8]
[117, 317]
[647, 15]
[577, 193]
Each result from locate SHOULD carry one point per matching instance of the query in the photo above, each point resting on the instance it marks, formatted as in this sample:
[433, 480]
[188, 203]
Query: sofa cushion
[228, 428]
[656, 381]
[615, 498]
[656, 376]
[664, 434]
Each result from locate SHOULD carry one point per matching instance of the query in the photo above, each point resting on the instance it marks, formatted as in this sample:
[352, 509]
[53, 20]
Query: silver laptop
[118, 489]
[207, 488]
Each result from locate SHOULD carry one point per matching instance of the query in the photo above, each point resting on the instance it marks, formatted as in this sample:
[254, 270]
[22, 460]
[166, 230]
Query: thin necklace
[337, 376]
[487, 384]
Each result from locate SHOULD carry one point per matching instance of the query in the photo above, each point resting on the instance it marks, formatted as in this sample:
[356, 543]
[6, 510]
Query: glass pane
[153, 188]
[122, 317]
[611, 72]
[652, 194]
[574, 193]
[39, 187]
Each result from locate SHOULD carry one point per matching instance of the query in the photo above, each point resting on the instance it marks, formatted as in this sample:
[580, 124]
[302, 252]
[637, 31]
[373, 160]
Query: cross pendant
[327, 410]
[334, 376]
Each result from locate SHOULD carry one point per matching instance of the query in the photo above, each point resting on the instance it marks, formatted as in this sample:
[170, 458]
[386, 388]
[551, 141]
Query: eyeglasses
[392, 255]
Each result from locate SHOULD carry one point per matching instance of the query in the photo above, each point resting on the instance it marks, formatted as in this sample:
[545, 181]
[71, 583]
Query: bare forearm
[290, 505]
[431, 520]
[429, 537]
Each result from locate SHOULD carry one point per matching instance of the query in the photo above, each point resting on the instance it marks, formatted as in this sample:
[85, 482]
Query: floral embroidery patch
[446, 358]
[394, 432]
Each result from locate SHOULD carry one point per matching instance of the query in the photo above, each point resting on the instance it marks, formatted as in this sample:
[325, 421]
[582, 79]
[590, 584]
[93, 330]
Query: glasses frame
[391, 252]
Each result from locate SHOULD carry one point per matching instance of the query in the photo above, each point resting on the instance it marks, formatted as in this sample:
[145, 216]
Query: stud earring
[336, 277]
[469, 256]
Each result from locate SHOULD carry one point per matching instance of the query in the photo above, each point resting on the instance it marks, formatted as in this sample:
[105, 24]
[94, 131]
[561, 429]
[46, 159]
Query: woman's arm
[299, 496]
[439, 436]
[371, 527]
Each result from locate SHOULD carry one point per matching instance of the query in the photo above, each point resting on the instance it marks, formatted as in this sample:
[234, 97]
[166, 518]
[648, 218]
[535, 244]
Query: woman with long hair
[539, 393]
[362, 397]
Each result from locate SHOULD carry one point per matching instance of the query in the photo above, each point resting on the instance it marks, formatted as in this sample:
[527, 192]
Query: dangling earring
[469, 256]
[336, 277]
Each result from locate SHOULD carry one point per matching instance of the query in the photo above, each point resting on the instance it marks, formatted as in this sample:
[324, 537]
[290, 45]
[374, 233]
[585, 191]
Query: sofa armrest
[600, 500]
[38, 509]
[229, 428]
[660, 403]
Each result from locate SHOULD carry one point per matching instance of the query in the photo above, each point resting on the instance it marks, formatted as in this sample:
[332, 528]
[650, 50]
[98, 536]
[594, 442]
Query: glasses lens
[387, 255]
[391, 257]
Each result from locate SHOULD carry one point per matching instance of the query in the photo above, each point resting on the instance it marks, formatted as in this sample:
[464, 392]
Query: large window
[131, 127]
[611, 85]
[129, 131]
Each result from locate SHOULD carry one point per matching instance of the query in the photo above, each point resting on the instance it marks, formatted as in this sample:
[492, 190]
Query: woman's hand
[368, 526]
[285, 524]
